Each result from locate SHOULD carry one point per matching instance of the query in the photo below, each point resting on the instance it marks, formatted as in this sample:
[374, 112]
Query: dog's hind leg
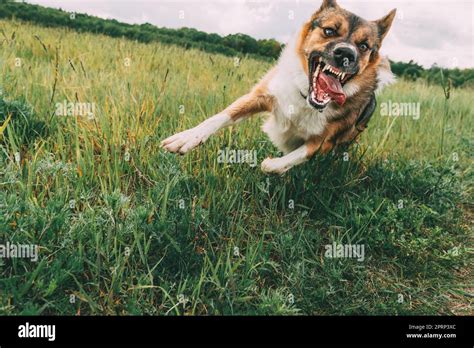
[281, 135]
[302, 154]
[258, 100]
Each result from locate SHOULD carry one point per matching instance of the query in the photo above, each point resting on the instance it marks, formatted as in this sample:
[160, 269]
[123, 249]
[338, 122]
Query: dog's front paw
[184, 141]
[274, 165]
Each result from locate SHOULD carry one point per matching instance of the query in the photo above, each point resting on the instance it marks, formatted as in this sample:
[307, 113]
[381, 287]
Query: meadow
[124, 228]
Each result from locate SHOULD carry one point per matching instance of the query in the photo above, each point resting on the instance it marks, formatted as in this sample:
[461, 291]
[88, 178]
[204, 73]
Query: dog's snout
[345, 56]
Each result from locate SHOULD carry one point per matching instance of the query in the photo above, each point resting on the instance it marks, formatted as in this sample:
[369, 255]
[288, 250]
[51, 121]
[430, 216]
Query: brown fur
[258, 100]
[341, 128]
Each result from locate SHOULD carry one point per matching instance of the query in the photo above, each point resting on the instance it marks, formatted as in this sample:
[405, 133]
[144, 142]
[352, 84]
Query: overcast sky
[428, 31]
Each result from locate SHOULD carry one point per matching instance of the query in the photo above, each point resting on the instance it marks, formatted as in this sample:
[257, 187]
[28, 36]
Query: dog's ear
[385, 23]
[328, 3]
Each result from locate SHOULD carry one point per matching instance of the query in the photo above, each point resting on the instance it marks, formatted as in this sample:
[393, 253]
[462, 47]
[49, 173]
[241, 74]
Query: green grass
[129, 229]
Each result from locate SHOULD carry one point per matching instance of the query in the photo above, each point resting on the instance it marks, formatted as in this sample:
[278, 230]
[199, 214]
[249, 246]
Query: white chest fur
[292, 118]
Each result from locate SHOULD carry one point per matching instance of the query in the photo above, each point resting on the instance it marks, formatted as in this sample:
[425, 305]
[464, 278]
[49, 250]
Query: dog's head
[337, 47]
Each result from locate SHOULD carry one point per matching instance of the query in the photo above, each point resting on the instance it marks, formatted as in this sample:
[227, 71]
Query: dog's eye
[363, 47]
[329, 32]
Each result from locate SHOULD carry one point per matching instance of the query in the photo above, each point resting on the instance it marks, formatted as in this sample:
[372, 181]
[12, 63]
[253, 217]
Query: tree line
[230, 45]
[434, 75]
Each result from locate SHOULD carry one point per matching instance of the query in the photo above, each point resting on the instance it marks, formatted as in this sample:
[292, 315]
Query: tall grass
[128, 229]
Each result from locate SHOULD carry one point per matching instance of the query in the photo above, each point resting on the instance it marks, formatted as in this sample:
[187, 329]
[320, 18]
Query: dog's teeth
[320, 59]
[343, 75]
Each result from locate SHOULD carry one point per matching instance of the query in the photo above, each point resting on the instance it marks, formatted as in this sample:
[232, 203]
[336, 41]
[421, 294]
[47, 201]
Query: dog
[320, 94]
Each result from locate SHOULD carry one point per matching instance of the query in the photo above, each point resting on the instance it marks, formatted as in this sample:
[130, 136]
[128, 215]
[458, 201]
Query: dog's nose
[345, 56]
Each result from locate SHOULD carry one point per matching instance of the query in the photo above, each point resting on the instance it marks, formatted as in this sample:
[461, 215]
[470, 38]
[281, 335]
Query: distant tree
[230, 45]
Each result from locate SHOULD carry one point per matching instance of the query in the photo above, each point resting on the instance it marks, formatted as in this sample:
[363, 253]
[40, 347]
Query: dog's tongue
[333, 87]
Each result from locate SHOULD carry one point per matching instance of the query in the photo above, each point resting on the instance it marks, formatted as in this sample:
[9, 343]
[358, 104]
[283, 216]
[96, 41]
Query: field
[125, 228]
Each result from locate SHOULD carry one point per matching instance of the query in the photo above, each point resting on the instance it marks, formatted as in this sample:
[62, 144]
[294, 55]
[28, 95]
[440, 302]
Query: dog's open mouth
[326, 83]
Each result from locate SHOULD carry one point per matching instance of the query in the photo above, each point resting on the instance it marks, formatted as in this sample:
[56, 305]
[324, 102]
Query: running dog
[320, 94]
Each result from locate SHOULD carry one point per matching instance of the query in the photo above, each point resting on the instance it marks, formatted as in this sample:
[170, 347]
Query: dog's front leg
[254, 102]
[280, 165]
[187, 140]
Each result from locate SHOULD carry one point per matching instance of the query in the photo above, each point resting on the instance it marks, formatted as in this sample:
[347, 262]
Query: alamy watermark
[237, 156]
[37, 331]
[355, 251]
[396, 109]
[24, 251]
[75, 109]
